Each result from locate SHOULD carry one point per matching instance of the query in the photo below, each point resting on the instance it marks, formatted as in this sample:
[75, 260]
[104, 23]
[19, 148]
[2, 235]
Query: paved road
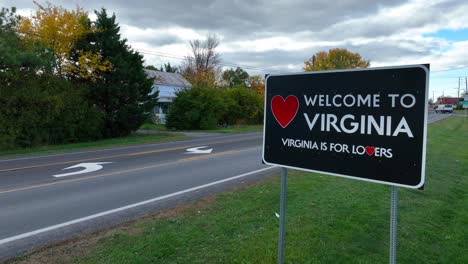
[37, 208]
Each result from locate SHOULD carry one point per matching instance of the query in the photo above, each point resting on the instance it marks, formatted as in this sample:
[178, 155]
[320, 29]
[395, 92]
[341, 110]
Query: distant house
[167, 83]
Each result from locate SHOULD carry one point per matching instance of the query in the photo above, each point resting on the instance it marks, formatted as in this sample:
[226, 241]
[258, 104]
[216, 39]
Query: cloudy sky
[273, 36]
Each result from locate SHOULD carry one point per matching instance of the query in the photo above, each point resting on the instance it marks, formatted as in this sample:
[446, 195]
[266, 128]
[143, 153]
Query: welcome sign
[367, 124]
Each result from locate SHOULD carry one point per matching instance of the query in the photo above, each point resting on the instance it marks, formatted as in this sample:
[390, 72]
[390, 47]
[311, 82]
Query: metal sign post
[284, 174]
[393, 224]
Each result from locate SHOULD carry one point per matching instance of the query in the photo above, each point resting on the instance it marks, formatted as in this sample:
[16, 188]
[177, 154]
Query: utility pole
[459, 82]
[466, 86]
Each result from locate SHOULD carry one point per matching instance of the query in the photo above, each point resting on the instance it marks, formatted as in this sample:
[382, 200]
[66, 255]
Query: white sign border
[423, 163]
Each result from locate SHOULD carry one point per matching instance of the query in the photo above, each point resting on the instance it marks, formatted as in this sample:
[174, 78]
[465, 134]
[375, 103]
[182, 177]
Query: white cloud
[282, 34]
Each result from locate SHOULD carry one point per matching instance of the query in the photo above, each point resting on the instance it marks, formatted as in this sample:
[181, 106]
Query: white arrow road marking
[199, 150]
[88, 167]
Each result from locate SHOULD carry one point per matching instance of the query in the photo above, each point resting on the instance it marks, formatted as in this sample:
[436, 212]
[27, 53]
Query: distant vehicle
[444, 108]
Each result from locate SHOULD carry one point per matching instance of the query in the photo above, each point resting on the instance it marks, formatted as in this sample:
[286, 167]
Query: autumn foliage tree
[60, 29]
[202, 66]
[335, 59]
[38, 107]
[257, 83]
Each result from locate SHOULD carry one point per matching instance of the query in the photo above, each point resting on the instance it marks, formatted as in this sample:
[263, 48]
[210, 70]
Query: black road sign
[366, 124]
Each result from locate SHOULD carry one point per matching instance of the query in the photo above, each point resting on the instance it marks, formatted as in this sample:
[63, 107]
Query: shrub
[196, 108]
[243, 106]
[46, 110]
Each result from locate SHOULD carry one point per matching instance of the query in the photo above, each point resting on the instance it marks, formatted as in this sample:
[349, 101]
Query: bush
[45, 110]
[196, 108]
[244, 106]
[37, 107]
[206, 108]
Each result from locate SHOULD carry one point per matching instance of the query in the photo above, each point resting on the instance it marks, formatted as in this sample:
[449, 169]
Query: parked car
[444, 108]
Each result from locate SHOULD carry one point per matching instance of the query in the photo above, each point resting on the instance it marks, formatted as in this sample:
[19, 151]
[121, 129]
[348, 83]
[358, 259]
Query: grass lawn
[329, 220]
[132, 139]
[156, 127]
[460, 111]
[230, 129]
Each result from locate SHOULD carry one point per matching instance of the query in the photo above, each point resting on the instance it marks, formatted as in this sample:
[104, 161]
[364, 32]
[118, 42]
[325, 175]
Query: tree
[257, 83]
[8, 19]
[122, 94]
[151, 67]
[36, 106]
[16, 59]
[335, 59]
[169, 68]
[202, 66]
[235, 77]
[196, 108]
[243, 106]
[59, 29]
[166, 67]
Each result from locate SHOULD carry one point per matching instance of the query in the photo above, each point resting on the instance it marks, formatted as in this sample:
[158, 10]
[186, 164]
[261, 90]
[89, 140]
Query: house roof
[168, 78]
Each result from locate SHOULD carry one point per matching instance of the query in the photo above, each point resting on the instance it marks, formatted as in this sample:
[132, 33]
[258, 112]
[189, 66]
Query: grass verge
[460, 111]
[329, 220]
[132, 139]
[230, 129]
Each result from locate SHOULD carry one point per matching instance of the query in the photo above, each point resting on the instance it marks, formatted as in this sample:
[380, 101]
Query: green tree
[122, 94]
[37, 107]
[243, 106]
[235, 77]
[17, 59]
[335, 59]
[196, 108]
[169, 68]
[151, 67]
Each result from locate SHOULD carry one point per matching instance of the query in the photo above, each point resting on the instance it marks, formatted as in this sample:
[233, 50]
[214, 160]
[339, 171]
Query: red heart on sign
[284, 110]
[370, 150]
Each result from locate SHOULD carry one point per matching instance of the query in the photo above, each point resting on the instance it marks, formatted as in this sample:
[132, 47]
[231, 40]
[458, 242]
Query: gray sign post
[393, 224]
[284, 174]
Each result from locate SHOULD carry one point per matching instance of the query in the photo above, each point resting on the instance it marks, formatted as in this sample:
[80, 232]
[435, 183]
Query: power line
[453, 69]
[162, 54]
[168, 55]
[228, 64]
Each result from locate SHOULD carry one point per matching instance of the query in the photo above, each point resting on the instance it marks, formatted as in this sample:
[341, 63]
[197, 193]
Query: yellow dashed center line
[125, 171]
[120, 155]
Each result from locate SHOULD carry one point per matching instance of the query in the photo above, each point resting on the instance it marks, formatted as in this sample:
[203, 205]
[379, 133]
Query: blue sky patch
[451, 35]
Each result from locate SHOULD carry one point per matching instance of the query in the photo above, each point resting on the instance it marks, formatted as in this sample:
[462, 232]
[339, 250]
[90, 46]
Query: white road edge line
[86, 218]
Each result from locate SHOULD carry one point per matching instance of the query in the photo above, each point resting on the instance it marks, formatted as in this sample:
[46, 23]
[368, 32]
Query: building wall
[167, 94]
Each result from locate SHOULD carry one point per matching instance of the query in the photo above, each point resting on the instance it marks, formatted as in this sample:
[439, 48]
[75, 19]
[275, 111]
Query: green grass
[156, 127]
[230, 129]
[460, 111]
[132, 139]
[329, 220]
[237, 129]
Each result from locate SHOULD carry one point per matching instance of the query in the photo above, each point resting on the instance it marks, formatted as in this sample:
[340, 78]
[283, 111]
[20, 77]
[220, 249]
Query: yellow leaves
[257, 84]
[335, 59]
[60, 29]
[89, 66]
[55, 27]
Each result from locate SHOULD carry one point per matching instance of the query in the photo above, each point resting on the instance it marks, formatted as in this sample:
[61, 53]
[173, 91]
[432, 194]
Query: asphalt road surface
[43, 200]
